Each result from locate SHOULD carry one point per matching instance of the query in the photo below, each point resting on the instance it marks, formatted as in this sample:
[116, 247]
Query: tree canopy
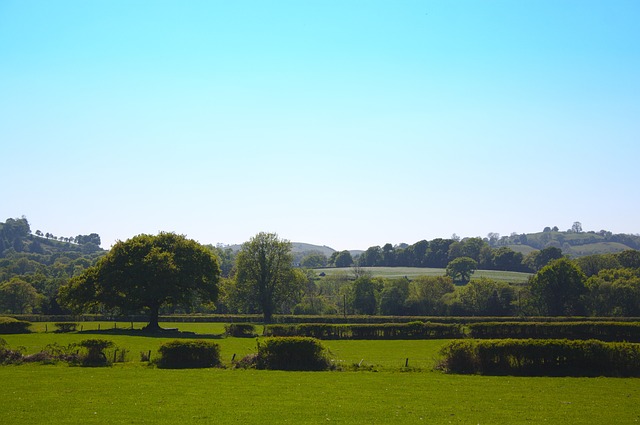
[146, 272]
[265, 276]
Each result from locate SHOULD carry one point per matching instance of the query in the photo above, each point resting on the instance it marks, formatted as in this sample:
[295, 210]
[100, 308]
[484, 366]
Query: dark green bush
[64, 327]
[9, 325]
[180, 354]
[240, 330]
[411, 330]
[95, 355]
[542, 357]
[292, 353]
[7, 355]
[604, 331]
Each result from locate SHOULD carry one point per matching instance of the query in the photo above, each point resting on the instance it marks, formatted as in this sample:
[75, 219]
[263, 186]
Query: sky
[348, 124]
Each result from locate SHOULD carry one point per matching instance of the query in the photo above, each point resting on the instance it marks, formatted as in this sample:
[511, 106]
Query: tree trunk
[266, 313]
[153, 325]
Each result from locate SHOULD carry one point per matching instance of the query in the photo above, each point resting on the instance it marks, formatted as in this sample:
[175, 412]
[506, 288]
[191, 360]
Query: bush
[542, 357]
[411, 330]
[64, 327]
[292, 353]
[95, 352]
[9, 325]
[7, 355]
[188, 354]
[604, 331]
[240, 330]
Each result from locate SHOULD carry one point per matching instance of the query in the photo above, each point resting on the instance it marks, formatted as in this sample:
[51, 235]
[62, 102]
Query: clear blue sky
[340, 123]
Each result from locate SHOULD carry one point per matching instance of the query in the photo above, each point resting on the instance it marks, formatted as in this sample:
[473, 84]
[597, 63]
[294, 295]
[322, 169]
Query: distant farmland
[413, 272]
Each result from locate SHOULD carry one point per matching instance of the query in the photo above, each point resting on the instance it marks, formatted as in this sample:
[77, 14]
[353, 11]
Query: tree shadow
[162, 333]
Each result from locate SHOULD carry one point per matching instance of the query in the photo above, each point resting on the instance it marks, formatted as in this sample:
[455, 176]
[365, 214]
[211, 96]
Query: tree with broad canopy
[143, 274]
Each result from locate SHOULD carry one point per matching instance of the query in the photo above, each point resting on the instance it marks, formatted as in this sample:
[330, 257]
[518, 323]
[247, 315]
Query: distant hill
[301, 249]
[572, 243]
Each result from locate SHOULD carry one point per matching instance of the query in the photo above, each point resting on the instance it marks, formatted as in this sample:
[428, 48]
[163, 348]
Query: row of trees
[149, 272]
[169, 273]
[438, 253]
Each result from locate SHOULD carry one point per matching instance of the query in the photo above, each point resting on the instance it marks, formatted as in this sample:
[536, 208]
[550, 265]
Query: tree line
[169, 273]
[438, 253]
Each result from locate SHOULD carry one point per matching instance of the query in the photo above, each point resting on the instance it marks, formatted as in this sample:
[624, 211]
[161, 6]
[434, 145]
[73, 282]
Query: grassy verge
[133, 394]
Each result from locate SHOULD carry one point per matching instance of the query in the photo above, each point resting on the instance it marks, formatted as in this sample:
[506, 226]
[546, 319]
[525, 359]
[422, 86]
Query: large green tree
[558, 287]
[461, 269]
[265, 277]
[145, 273]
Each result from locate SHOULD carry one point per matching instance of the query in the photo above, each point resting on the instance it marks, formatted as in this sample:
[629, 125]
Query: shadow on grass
[164, 333]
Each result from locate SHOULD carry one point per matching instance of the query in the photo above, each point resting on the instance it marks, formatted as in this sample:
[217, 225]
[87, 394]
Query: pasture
[413, 272]
[381, 392]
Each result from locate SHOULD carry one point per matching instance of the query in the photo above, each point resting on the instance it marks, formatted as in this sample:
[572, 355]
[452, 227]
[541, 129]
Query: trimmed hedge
[9, 325]
[240, 330]
[328, 319]
[180, 354]
[412, 330]
[292, 353]
[542, 357]
[604, 331]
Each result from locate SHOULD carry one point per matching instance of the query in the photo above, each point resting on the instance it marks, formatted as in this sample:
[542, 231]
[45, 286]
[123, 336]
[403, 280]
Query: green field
[412, 272]
[385, 393]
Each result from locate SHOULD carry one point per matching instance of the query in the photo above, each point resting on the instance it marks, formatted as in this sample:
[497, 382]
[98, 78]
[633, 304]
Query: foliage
[426, 295]
[363, 295]
[95, 355]
[63, 327]
[314, 260]
[558, 288]
[614, 292]
[292, 353]
[240, 330]
[482, 297]
[542, 357]
[264, 276]
[9, 325]
[604, 331]
[411, 330]
[180, 354]
[146, 272]
[460, 269]
[17, 296]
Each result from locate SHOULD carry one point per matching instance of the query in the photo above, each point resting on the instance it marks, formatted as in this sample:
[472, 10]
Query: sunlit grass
[136, 394]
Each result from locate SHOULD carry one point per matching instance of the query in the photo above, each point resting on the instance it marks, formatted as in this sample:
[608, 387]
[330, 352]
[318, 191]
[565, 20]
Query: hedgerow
[240, 330]
[542, 357]
[292, 353]
[412, 330]
[604, 331]
[180, 354]
[9, 325]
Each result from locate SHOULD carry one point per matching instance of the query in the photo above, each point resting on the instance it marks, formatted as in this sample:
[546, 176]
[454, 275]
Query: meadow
[413, 272]
[381, 391]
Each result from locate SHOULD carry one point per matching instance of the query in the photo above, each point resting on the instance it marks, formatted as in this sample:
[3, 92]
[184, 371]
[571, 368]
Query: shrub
[7, 355]
[64, 327]
[188, 354]
[542, 357]
[604, 331]
[9, 325]
[240, 330]
[292, 353]
[95, 352]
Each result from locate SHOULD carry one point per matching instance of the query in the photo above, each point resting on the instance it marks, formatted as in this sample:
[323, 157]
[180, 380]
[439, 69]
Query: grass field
[133, 393]
[412, 272]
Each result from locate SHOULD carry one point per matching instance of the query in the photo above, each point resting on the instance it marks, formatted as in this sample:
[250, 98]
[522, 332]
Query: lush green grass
[412, 272]
[133, 393]
[381, 355]
[34, 394]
